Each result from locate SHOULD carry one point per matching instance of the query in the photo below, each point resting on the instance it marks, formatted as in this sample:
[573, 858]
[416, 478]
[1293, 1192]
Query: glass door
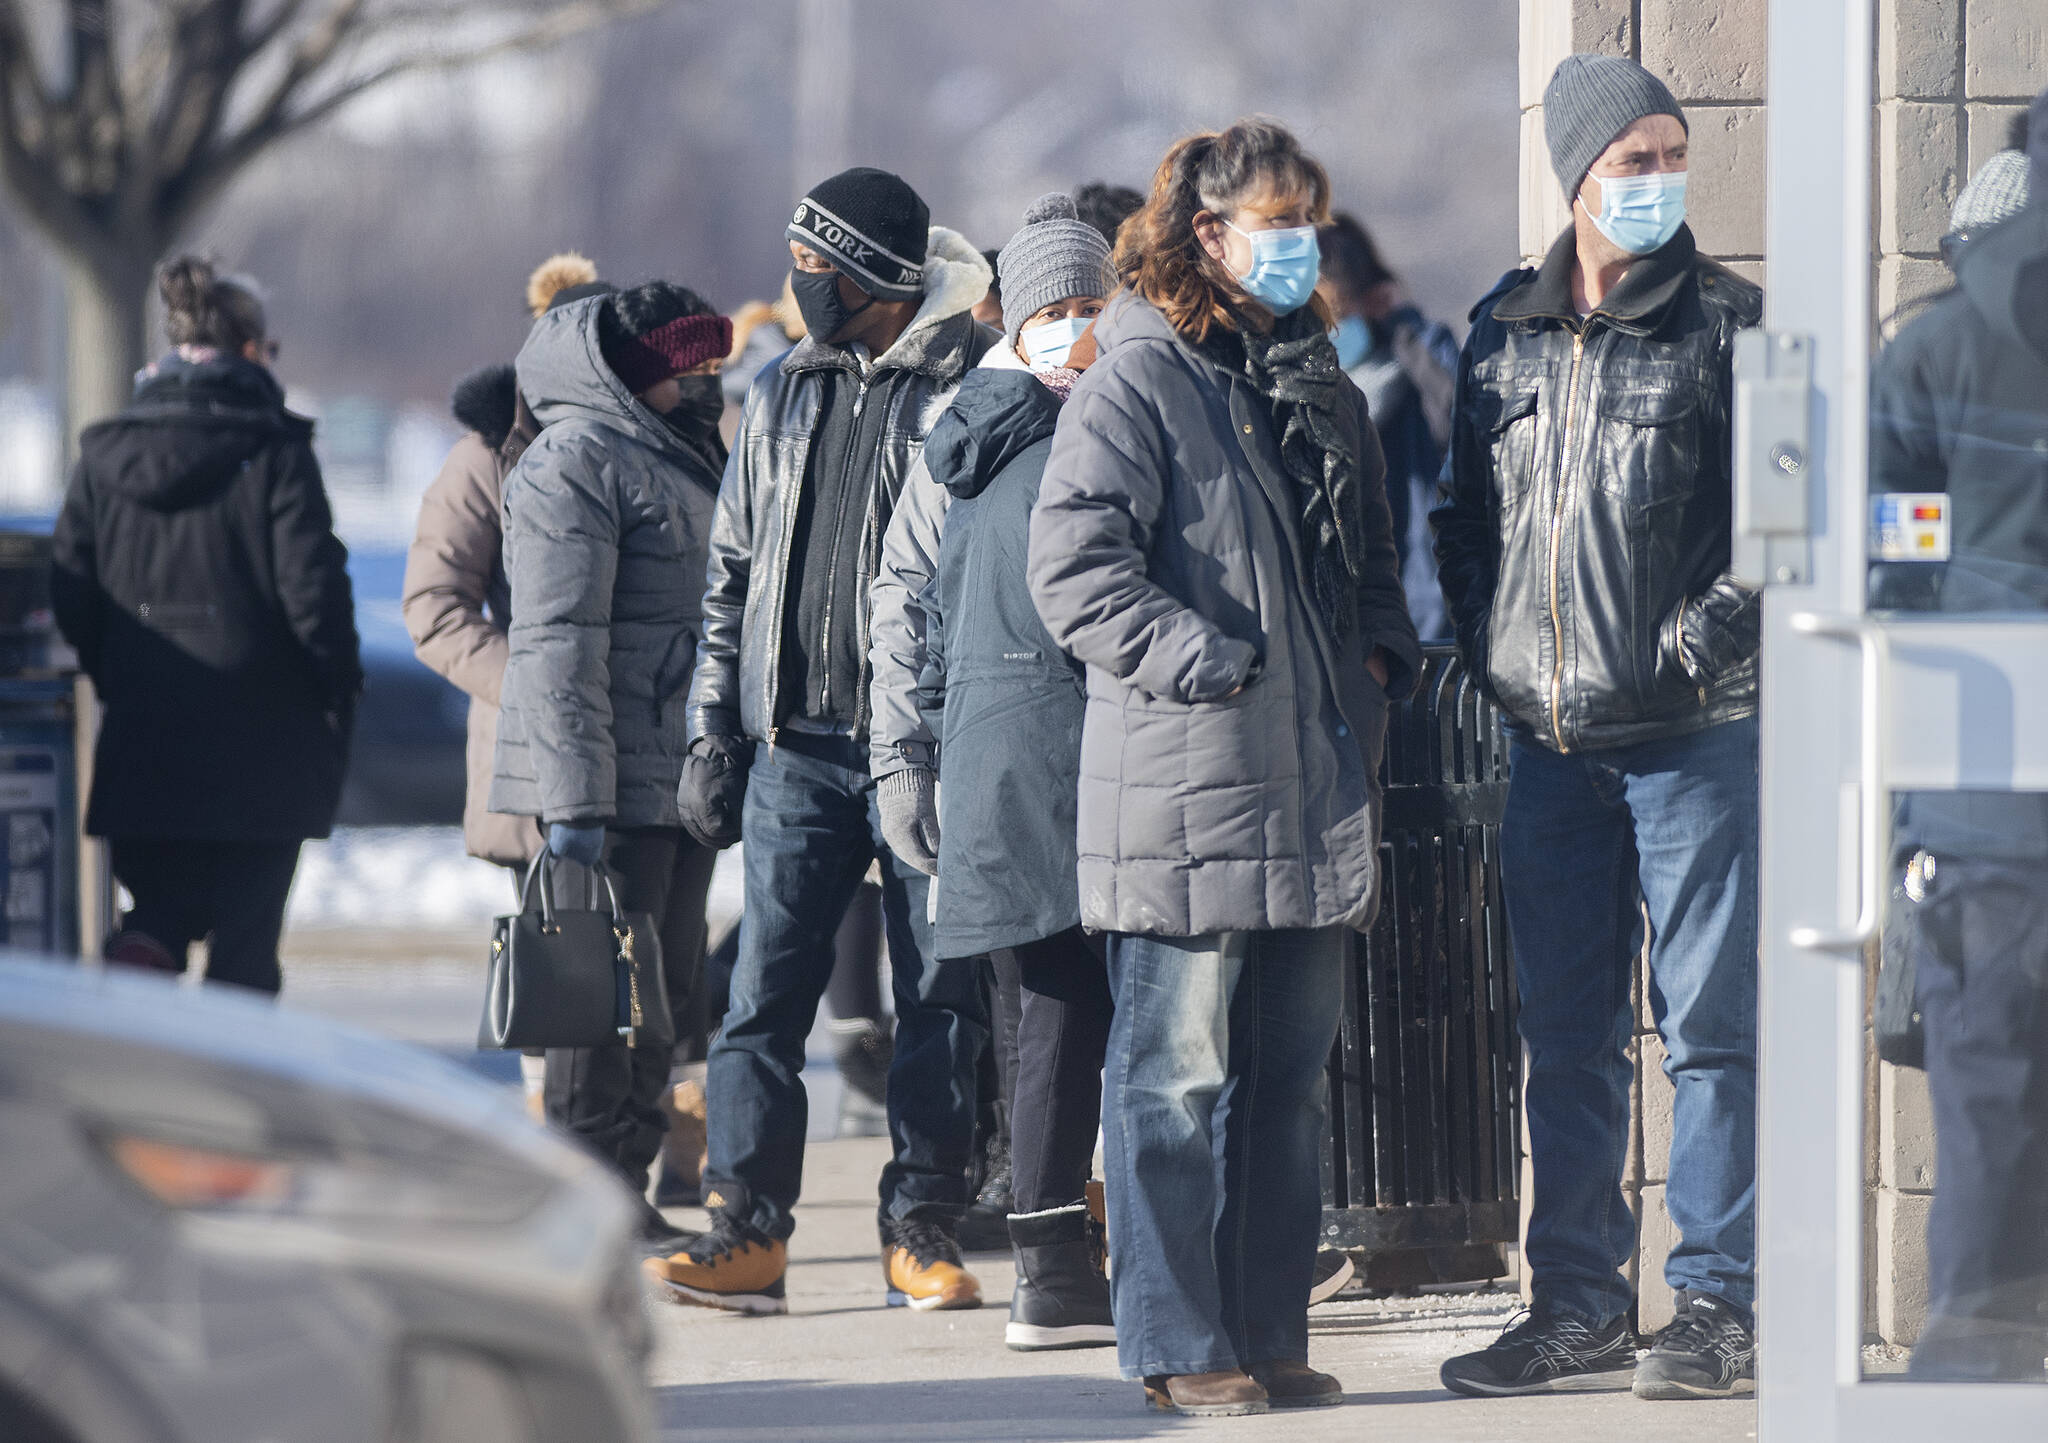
[1903, 1211]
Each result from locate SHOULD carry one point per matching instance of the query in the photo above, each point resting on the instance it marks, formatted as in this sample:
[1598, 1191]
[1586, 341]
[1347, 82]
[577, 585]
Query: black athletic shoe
[1707, 1351]
[1539, 1350]
[1333, 1271]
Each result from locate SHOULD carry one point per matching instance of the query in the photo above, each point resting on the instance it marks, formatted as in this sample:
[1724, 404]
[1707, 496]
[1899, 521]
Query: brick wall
[1950, 75]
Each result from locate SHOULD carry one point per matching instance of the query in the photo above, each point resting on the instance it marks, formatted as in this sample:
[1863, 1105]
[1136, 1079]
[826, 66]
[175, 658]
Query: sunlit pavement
[843, 1367]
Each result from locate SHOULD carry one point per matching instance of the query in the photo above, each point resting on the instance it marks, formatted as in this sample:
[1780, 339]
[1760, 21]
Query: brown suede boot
[1229, 1394]
[1289, 1384]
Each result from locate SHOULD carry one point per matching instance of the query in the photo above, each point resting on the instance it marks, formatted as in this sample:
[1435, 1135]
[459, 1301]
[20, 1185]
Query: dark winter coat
[607, 518]
[457, 603]
[739, 688]
[1960, 406]
[1003, 702]
[198, 575]
[1230, 756]
[1583, 541]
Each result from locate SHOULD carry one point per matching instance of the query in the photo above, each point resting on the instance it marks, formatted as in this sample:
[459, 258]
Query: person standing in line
[1106, 207]
[1211, 538]
[1584, 542]
[959, 653]
[1408, 368]
[778, 722]
[1960, 406]
[607, 521]
[197, 573]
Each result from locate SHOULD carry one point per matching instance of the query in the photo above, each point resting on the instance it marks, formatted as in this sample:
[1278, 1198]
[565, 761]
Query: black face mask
[700, 408]
[818, 301]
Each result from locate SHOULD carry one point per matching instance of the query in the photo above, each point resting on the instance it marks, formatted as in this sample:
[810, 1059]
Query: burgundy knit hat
[668, 350]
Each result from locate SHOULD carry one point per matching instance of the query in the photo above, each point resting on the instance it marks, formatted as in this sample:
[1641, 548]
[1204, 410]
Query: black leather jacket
[735, 691]
[1583, 535]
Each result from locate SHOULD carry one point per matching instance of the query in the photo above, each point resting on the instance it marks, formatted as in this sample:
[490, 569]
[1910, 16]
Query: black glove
[714, 788]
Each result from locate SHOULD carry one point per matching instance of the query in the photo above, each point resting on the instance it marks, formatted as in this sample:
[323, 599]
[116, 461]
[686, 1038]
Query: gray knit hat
[1056, 255]
[1590, 100]
[1997, 192]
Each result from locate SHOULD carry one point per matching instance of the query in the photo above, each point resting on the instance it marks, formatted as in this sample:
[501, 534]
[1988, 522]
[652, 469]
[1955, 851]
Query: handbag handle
[537, 868]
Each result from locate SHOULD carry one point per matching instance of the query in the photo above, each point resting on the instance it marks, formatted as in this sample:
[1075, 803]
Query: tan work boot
[733, 1268]
[1289, 1384]
[1229, 1394]
[921, 1260]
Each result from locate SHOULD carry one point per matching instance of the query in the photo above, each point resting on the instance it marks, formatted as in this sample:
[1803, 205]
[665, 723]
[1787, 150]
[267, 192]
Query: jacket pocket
[1507, 418]
[1649, 442]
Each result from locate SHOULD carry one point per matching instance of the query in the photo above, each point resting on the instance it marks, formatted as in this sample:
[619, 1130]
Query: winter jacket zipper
[1557, 513]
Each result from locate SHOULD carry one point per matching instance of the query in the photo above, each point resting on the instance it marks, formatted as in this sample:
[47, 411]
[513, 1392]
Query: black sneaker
[1539, 1350]
[1707, 1351]
[1333, 1271]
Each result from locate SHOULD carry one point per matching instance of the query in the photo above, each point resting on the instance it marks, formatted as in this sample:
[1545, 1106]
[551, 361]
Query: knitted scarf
[1294, 366]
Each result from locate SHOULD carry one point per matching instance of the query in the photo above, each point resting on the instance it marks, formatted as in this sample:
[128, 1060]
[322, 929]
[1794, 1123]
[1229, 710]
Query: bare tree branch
[281, 19]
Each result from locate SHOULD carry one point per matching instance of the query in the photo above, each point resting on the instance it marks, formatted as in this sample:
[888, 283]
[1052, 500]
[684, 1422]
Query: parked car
[224, 1222]
[406, 764]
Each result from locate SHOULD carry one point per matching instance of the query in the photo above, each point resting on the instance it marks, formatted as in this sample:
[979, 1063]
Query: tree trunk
[106, 321]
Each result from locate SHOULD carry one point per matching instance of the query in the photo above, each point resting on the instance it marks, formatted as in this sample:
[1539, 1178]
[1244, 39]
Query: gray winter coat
[1230, 754]
[607, 521]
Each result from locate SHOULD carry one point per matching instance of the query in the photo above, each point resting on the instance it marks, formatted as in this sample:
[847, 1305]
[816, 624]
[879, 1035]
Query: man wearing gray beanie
[1583, 542]
[1959, 406]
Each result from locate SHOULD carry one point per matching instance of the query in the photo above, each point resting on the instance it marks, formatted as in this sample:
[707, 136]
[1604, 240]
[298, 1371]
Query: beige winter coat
[453, 571]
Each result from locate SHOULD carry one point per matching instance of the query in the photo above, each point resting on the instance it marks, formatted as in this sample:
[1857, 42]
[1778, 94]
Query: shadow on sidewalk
[1069, 1406]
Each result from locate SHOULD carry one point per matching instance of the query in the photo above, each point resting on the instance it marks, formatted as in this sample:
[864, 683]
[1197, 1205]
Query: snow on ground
[419, 879]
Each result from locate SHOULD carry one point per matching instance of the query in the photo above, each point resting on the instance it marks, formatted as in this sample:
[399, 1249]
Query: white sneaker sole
[1030, 1338]
[753, 1305]
[896, 1298]
[1668, 1390]
[1332, 1285]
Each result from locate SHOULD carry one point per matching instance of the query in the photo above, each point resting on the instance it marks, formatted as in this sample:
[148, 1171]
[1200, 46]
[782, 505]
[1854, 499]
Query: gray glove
[909, 800]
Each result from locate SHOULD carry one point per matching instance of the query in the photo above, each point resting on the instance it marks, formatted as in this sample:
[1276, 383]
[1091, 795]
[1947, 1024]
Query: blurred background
[394, 238]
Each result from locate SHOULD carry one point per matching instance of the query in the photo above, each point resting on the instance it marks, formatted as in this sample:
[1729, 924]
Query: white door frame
[1843, 724]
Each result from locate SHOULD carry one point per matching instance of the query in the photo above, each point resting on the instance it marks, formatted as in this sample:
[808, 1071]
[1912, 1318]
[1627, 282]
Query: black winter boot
[1061, 1299]
[985, 1226]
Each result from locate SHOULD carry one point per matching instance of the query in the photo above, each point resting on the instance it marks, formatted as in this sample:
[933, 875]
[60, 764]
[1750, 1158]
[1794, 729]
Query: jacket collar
[937, 342]
[1636, 305]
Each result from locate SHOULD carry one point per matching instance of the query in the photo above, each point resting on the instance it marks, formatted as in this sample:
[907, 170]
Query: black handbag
[574, 977]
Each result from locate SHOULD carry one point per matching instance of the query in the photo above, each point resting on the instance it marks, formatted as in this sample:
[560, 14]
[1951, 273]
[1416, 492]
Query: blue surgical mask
[1285, 265]
[1047, 344]
[1640, 213]
[1353, 339]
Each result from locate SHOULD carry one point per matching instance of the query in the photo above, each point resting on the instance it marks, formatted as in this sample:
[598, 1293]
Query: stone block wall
[1950, 75]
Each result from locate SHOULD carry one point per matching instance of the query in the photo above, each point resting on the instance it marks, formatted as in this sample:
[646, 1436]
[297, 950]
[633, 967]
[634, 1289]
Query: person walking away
[1583, 543]
[778, 727]
[607, 522]
[454, 599]
[1212, 540]
[1407, 367]
[1960, 405]
[961, 656]
[196, 572]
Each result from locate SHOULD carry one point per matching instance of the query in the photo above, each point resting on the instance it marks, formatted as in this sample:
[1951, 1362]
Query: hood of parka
[188, 431]
[996, 415]
[2004, 273]
[564, 377]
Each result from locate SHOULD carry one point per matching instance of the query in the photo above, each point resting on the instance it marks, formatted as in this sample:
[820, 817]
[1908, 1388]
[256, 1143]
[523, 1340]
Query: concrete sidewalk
[843, 1367]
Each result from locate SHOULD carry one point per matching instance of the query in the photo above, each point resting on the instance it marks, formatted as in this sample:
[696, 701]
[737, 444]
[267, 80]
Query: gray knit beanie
[1056, 255]
[1590, 100]
[1996, 193]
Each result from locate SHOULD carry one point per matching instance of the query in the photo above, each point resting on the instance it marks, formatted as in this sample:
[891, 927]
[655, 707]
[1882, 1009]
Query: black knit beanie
[873, 228]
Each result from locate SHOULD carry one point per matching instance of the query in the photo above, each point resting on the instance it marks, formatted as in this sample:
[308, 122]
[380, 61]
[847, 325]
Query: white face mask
[1047, 344]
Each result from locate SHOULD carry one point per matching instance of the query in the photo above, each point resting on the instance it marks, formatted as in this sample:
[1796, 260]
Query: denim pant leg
[1693, 800]
[1062, 1031]
[1283, 1022]
[941, 1031]
[807, 844]
[1568, 873]
[1169, 1044]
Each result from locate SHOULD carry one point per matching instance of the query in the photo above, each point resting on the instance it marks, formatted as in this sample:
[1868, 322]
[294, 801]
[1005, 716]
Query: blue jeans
[1214, 1116]
[811, 828]
[1674, 821]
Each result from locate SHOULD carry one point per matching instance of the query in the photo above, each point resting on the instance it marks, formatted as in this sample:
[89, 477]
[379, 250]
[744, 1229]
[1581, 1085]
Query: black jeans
[812, 828]
[231, 894]
[1061, 1031]
[609, 1097]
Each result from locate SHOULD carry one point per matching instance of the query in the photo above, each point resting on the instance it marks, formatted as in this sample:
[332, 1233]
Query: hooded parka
[1230, 755]
[607, 518]
[199, 578]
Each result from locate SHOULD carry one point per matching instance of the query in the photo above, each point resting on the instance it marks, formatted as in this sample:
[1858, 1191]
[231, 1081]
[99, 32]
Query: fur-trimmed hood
[486, 401]
[935, 342]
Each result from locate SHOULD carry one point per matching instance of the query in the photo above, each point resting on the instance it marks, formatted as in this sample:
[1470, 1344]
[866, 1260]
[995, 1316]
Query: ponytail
[205, 309]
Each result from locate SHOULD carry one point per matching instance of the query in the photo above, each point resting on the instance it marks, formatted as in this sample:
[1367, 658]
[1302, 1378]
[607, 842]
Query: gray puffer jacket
[1230, 754]
[607, 521]
[737, 689]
